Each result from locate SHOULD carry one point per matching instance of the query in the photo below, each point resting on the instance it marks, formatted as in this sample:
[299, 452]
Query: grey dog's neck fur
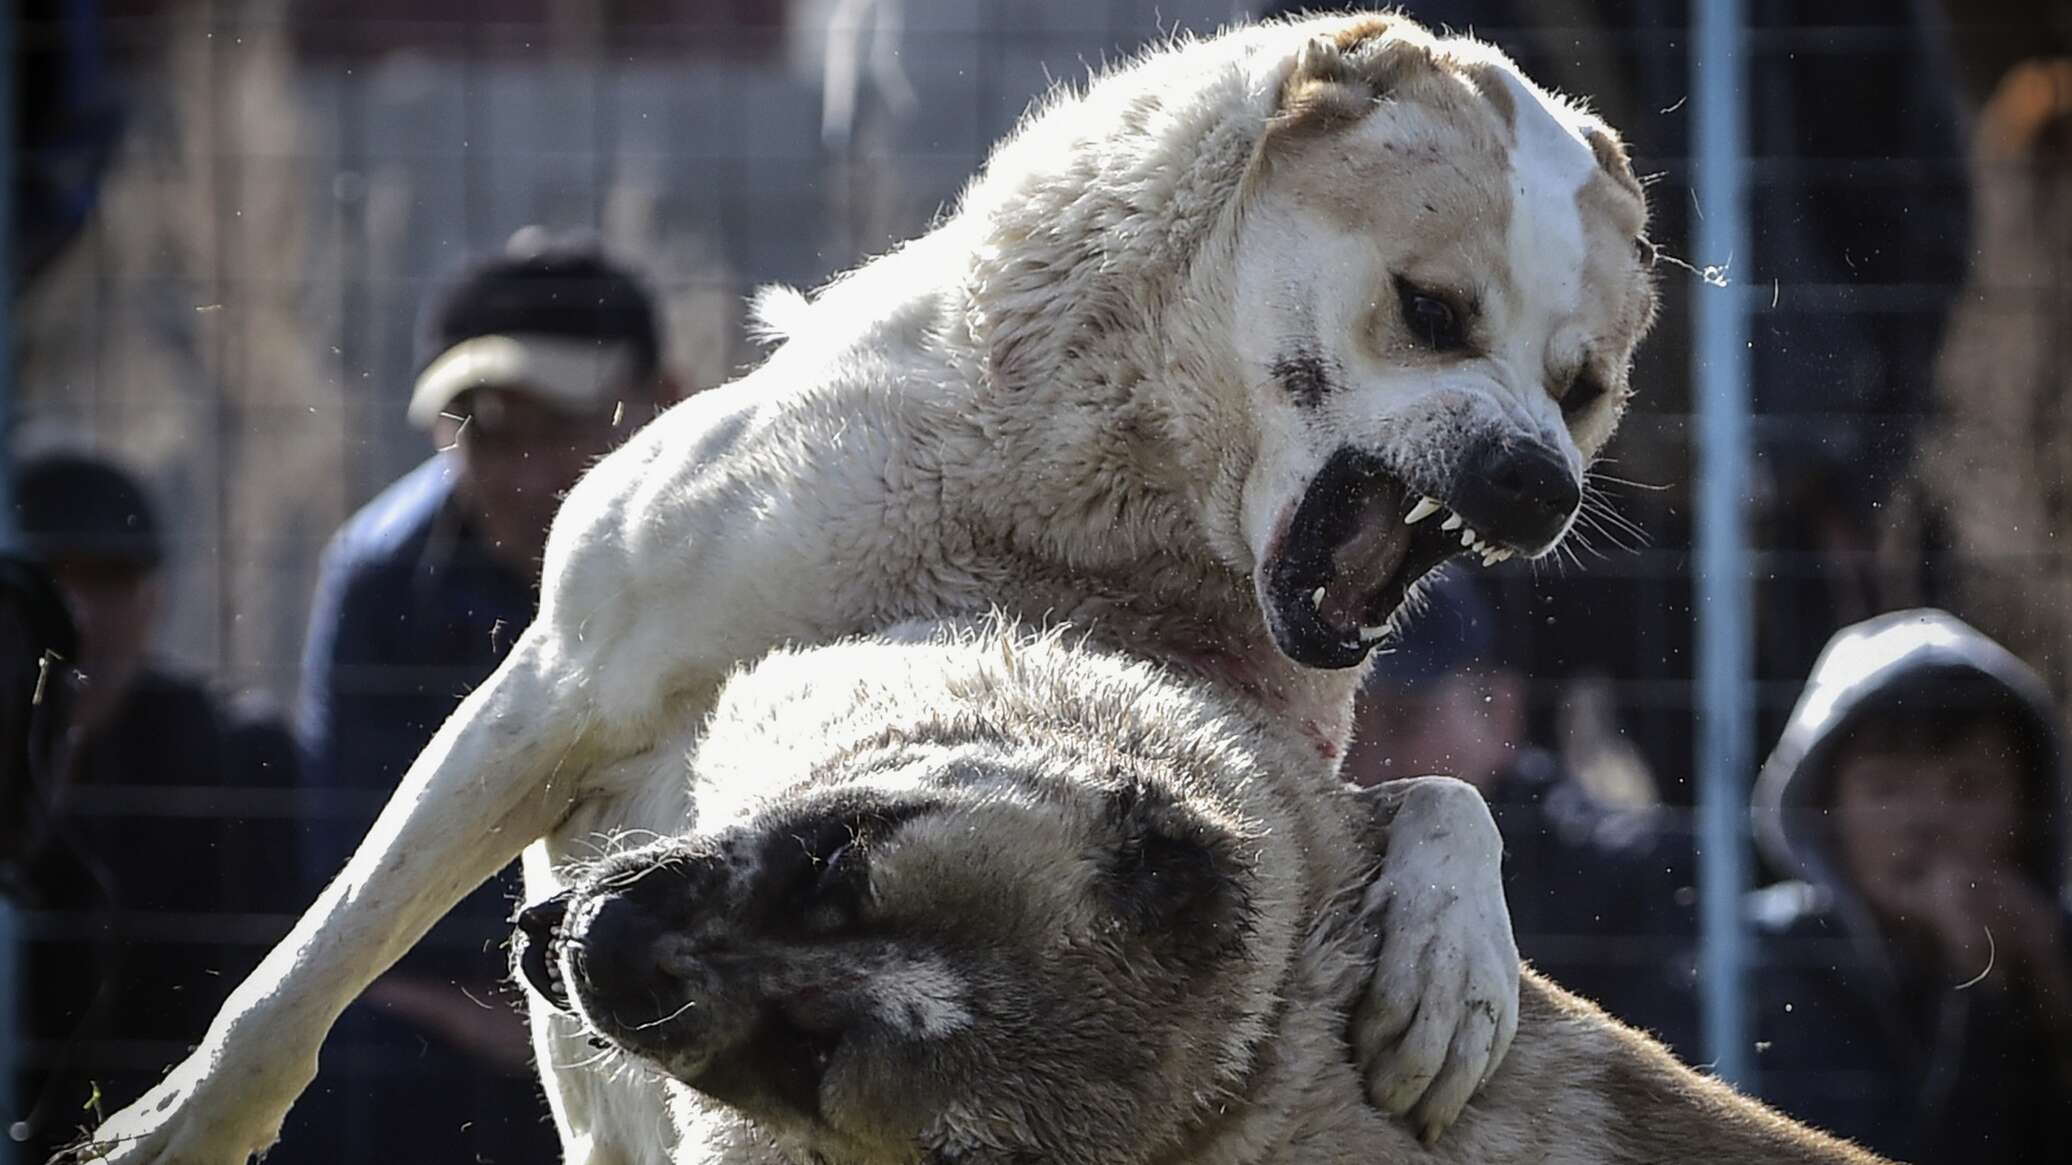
[1028, 706]
[1576, 1087]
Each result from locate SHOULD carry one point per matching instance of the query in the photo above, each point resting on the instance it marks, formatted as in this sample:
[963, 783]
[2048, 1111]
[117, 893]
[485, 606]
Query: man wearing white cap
[540, 360]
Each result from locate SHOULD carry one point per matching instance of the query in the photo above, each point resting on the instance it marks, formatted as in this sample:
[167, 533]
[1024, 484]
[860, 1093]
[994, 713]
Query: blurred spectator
[1915, 988]
[1981, 519]
[38, 646]
[541, 360]
[158, 831]
[1594, 889]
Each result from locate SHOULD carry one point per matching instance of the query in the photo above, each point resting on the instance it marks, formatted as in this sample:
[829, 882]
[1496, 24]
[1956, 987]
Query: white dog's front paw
[1442, 1005]
[198, 1115]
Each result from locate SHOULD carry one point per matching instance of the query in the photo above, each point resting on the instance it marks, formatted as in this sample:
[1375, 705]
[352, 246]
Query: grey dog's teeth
[1467, 538]
[1452, 522]
[1424, 508]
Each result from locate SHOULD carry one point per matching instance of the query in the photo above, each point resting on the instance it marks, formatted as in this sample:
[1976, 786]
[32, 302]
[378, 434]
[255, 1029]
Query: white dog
[1214, 361]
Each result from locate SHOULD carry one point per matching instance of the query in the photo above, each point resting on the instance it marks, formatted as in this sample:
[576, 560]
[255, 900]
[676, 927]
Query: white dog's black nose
[1519, 494]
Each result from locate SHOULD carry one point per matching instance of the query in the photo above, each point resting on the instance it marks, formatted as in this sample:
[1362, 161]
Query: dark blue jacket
[411, 612]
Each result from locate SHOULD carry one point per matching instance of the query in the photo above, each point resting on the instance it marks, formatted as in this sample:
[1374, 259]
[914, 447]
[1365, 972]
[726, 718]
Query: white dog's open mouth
[1358, 541]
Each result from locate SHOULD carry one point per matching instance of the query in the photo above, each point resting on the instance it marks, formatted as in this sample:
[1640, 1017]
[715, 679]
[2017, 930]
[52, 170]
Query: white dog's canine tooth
[1370, 634]
[1424, 508]
[1452, 522]
[1316, 597]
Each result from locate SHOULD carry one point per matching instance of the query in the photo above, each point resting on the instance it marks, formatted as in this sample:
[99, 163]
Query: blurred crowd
[1911, 977]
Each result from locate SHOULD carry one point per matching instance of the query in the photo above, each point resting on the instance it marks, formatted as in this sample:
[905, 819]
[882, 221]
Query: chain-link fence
[234, 217]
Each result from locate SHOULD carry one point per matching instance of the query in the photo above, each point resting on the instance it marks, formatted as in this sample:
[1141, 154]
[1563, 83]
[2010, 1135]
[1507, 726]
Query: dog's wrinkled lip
[1346, 560]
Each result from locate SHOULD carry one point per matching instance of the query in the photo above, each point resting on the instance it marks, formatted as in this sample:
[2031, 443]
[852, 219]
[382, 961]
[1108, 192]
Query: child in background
[1914, 984]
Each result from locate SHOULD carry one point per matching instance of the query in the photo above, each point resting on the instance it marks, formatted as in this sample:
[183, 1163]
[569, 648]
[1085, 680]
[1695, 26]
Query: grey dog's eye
[831, 865]
[1582, 392]
[842, 884]
[1434, 321]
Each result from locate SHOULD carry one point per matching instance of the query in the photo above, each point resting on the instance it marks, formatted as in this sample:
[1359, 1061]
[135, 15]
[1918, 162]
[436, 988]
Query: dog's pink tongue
[1363, 563]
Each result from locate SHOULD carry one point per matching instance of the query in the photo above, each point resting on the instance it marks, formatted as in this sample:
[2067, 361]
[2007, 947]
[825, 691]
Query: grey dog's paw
[1442, 1004]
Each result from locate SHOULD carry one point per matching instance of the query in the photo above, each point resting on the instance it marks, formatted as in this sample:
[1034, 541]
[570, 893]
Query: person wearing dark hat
[93, 529]
[149, 838]
[1593, 888]
[1913, 980]
[39, 681]
[537, 362]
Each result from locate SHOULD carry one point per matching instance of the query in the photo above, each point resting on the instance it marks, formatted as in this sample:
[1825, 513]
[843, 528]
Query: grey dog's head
[963, 926]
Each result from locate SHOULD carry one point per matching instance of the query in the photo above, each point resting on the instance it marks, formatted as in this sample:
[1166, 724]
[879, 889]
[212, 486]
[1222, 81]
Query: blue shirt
[411, 612]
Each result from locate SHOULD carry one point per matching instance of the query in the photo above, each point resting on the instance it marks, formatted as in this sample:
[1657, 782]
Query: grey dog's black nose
[615, 940]
[1519, 494]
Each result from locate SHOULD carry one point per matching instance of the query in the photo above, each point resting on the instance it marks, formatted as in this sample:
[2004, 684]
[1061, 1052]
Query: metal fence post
[10, 927]
[1723, 605]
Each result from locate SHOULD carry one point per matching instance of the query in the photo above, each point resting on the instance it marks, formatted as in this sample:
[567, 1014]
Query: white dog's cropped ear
[1320, 60]
[1336, 78]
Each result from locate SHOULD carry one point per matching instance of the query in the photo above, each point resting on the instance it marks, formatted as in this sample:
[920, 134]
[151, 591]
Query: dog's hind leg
[498, 774]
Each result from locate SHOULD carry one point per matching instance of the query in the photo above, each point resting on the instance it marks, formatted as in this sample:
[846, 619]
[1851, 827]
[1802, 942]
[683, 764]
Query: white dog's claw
[1468, 1060]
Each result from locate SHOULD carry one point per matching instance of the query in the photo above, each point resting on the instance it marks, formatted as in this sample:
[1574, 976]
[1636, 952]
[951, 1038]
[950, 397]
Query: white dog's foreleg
[1442, 1006]
[500, 773]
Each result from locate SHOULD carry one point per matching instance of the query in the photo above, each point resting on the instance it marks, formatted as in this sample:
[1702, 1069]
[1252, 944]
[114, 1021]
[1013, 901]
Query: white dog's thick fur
[1173, 373]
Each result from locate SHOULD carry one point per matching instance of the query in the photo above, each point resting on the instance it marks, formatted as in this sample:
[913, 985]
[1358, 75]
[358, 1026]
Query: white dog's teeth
[1316, 597]
[1424, 508]
[1452, 522]
[1370, 634]
[1504, 555]
[1467, 537]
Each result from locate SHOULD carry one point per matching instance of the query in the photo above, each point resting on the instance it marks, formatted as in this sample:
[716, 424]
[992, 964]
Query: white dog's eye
[1435, 322]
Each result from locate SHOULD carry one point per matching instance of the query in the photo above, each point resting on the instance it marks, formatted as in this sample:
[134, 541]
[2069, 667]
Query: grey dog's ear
[1173, 876]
